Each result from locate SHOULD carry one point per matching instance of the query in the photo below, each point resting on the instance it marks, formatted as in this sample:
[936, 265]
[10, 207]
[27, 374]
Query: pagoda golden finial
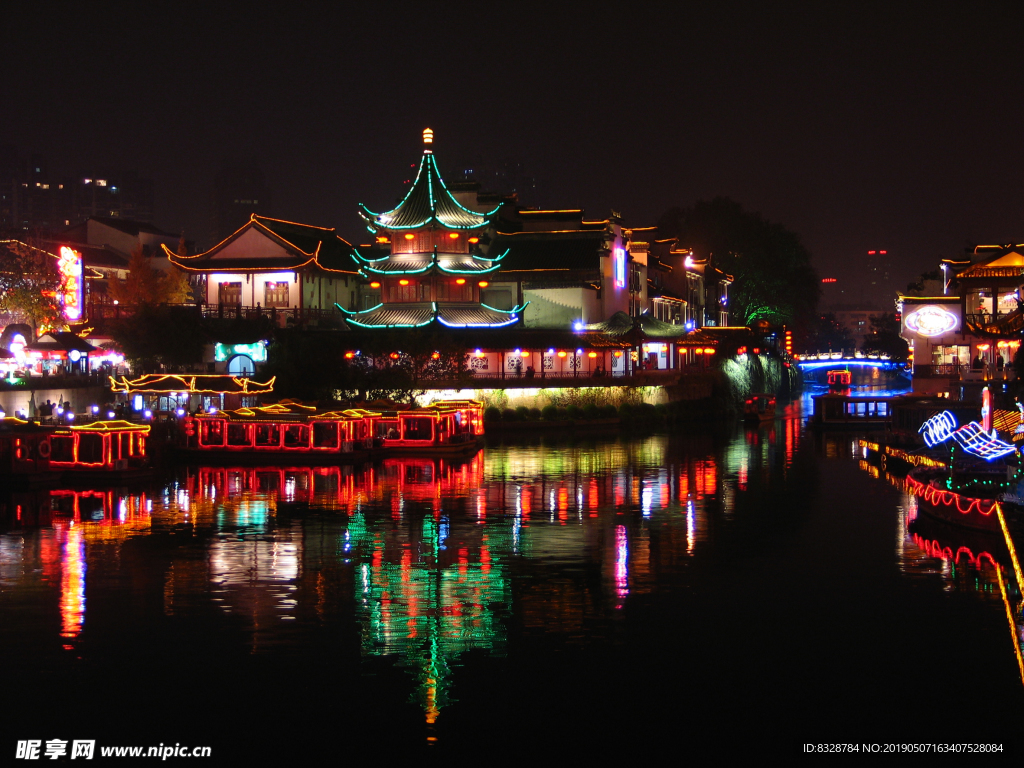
[428, 136]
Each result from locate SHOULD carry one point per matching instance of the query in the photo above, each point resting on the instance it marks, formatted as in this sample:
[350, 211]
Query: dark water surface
[739, 592]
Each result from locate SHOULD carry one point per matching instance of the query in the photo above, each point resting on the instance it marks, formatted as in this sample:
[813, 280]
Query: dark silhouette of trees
[826, 333]
[885, 338]
[389, 365]
[774, 279]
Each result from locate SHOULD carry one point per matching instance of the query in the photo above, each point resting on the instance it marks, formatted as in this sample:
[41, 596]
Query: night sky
[870, 129]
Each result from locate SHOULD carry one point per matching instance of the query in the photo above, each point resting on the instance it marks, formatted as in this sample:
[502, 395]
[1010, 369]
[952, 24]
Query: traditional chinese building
[431, 263]
[970, 334]
[295, 269]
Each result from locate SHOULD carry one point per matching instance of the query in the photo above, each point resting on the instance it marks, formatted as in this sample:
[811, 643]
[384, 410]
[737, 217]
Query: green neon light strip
[374, 218]
[433, 162]
[491, 258]
[407, 194]
[513, 311]
[395, 325]
[363, 312]
[369, 261]
[396, 271]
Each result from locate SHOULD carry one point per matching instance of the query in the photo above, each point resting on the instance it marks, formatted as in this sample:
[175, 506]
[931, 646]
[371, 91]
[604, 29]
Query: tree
[145, 284]
[885, 338]
[172, 336]
[774, 279]
[396, 365]
[30, 285]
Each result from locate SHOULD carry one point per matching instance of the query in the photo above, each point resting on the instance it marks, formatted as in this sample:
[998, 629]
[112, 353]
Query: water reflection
[983, 563]
[432, 562]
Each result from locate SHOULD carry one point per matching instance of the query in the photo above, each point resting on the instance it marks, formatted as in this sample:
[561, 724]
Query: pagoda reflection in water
[428, 552]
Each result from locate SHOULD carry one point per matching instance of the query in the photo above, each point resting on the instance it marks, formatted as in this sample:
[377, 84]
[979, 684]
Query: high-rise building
[239, 191]
[33, 198]
[880, 288]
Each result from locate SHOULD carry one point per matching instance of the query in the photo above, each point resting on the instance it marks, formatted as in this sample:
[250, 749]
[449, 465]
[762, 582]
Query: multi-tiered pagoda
[429, 265]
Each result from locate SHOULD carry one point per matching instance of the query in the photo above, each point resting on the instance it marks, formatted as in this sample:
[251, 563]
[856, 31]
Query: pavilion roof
[206, 384]
[429, 202]
[61, 341]
[637, 329]
[550, 251]
[421, 263]
[1009, 263]
[421, 314]
[301, 245]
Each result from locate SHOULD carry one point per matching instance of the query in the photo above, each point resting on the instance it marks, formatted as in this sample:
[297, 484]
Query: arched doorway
[241, 365]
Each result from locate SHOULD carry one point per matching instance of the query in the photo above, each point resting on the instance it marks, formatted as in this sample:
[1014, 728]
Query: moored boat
[759, 407]
[300, 433]
[32, 454]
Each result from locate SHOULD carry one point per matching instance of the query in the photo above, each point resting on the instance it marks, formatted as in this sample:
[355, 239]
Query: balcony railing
[279, 316]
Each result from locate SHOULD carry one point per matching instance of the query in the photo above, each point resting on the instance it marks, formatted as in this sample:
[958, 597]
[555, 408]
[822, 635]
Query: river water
[733, 591]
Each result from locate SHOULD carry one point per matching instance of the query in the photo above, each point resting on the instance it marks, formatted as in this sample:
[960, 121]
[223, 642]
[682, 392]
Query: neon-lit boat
[447, 427]
[31, 454]
[299, 433]
[839, 378]
[289, 431]
[104, 449]
[24, 452]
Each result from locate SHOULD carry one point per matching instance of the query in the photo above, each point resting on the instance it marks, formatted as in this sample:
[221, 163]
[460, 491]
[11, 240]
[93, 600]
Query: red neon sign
[70, 266]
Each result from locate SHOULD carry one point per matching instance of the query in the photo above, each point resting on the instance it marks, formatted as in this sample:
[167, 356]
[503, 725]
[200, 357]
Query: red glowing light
[483, 283]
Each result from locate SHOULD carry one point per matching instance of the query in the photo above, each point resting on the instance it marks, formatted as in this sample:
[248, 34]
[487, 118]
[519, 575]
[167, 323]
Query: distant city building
[34, 198]
[880, 287]
[856, 318]
[239, 191]
[121, 195]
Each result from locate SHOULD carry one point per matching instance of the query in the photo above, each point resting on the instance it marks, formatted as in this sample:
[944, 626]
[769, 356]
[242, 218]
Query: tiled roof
[621, 326]
[131, 227]
[428, 202]
[421, 263]
[393, 316]
[461, 316]
[61, 341]
[305, 245]
[421, 314]
[529, 251]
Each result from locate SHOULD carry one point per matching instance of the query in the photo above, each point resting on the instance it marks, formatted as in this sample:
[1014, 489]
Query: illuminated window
[229, 293]
[413, 290]
[275, 294]
[454, 290]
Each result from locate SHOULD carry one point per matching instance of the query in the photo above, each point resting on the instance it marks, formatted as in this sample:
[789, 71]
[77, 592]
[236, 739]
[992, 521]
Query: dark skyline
[870, 129]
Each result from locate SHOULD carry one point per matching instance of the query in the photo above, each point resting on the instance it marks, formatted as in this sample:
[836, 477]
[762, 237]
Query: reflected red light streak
[621, 564]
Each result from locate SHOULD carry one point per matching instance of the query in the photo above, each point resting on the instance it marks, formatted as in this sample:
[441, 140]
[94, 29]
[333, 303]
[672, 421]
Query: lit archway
[241, 365]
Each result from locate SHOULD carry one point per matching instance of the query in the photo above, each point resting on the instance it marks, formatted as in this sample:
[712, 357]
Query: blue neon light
[938, 429]
[971, 437]
[833, 363]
